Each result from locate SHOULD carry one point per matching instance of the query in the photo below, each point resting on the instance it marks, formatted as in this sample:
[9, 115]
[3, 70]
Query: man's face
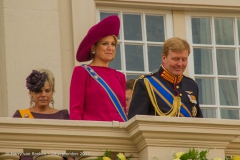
[175, 62]
[128, 99]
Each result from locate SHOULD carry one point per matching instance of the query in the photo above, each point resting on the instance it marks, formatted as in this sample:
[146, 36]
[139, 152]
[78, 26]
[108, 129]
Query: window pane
[226, 62]
[132, 26]
[229, 114]
[228, 92]
[154, 58]
[116, 63]
[203, 63]
[201, 30]
[206, 90]
[209, 113]
[224, 31]
[155, 28]
[104, 15]
[134, 57]
[133, 76]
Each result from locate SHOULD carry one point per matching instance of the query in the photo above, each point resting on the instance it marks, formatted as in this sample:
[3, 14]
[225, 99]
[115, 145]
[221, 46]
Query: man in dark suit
[167, 92]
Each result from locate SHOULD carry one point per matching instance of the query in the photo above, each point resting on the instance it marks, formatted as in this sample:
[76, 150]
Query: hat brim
[106, 27]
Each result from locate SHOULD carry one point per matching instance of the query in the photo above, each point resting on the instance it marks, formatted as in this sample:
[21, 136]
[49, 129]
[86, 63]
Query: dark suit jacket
[141, 104]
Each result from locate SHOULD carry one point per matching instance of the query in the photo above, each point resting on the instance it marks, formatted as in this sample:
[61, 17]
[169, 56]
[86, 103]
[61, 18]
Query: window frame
[213, 46]
[168, 26]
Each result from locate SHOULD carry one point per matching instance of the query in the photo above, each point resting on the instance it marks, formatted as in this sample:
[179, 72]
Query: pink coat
[89, 101]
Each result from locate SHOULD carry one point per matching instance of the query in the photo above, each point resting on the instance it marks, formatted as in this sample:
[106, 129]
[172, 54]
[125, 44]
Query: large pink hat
[108, 26]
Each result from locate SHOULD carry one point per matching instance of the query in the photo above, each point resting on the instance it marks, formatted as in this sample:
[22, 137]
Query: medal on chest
[193, 100]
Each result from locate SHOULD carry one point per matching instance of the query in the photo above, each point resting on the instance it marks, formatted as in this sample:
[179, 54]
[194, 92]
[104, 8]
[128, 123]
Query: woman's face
[44, 97]
[105, 49]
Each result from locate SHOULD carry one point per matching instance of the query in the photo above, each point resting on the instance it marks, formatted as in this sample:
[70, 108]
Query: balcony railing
[142, 137]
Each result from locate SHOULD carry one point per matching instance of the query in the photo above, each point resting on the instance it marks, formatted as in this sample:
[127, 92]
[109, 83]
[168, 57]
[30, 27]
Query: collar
[165, 74]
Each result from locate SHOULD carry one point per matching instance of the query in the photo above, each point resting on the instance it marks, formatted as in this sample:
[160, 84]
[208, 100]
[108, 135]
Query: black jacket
[141, 104]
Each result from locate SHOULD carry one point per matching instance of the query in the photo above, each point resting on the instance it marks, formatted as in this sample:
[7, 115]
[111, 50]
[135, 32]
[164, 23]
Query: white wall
[32, 41]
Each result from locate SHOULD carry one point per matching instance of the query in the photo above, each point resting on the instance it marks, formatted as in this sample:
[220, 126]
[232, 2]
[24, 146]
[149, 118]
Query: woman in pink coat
[97, 92]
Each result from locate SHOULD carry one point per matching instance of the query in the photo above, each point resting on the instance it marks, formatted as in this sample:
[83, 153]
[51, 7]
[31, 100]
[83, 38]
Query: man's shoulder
[140, 81]
[145, 76]
[189, 79]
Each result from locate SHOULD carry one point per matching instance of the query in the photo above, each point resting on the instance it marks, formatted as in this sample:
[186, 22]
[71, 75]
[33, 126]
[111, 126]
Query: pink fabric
[89, 101]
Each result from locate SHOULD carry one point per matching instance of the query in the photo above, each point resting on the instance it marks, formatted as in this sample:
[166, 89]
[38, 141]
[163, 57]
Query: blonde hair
[115, 39]
[175, 44]
[50, 78]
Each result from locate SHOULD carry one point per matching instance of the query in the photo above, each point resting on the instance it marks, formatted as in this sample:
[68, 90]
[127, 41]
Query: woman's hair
[38, 78]
[175, 44]
[115, 39]
[96, 43]
[50, 78]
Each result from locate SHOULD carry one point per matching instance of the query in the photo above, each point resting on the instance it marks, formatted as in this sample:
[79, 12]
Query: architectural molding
[66, 47]
[3, 75]
[186, 5]
[141, 136]
[184, 133]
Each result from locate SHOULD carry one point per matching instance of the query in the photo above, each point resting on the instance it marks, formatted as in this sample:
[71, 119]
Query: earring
[93, 53]
[52, 102]
[32, 103]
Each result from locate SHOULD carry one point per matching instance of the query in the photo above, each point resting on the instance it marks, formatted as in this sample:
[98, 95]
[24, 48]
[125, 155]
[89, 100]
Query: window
[215, 56]
[140, 41]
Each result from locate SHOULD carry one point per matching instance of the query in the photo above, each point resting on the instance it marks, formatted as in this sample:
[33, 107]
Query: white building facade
[46, 34]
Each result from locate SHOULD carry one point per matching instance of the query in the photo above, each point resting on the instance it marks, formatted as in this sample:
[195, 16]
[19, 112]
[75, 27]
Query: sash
[166, 96]
[25, 113]
[109, 91]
